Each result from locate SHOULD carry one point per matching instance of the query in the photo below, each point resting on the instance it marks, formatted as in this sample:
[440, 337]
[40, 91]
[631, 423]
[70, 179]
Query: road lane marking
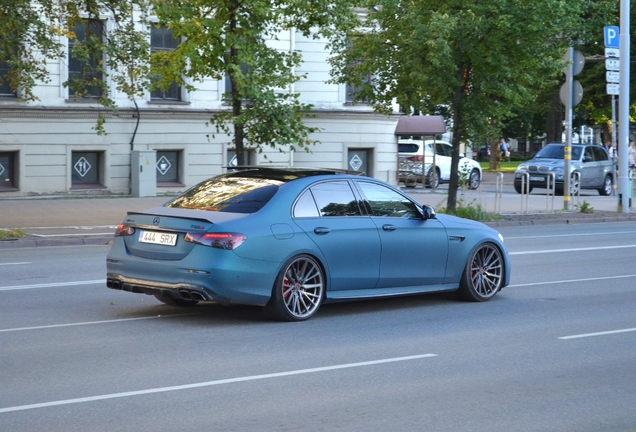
[71, 235]
[77, 227]
[569, 235]
[15, 263]
[214, 383]
[595, 248]
[91, 323]
[598, 333]
[573, 280]
[51, 285]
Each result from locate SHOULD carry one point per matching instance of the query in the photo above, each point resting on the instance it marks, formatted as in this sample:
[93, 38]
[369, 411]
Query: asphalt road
[556, 351]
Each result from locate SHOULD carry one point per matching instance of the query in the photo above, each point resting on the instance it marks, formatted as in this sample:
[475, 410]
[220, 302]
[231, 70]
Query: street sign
[577, 93]
[612, 77]
[612, 64]
[577, 64]
[612, 52]
[612, 89]
[611, 36]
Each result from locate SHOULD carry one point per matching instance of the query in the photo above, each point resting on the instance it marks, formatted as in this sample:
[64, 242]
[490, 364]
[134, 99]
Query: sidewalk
[60, 221]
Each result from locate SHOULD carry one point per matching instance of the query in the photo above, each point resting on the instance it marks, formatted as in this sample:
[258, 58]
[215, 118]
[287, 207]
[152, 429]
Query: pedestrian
[610, 150]
[503, 148]
[631, 155]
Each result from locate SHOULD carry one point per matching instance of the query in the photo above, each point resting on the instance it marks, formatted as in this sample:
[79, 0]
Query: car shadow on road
[206, 314]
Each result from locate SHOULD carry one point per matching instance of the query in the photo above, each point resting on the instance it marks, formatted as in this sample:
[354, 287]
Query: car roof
[284, 174]
[576, 144]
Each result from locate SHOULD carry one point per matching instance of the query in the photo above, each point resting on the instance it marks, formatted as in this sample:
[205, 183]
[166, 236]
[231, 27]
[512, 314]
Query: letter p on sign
[611, 34]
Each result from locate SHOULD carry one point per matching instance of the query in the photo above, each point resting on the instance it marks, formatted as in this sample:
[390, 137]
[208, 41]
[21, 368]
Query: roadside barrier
[525, 186]
[499, 192]
[550, 191]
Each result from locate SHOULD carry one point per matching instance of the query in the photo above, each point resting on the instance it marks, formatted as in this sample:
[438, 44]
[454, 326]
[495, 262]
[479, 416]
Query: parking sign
[611, 35]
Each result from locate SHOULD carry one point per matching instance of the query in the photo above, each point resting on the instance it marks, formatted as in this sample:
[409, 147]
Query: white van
[417, 152]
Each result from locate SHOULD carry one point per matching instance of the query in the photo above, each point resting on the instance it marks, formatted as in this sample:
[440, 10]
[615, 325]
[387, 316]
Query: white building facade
[50, 147]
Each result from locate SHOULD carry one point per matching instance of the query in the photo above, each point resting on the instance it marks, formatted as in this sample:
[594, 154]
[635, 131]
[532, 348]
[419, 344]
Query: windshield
[556, 151]
[228, 194]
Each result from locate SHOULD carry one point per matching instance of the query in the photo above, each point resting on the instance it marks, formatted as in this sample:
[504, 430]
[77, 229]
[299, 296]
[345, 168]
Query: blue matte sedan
[290, 239]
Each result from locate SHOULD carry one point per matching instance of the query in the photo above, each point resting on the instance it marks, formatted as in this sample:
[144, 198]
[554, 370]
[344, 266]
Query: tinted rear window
[556, 151]
[228, 194]
[408, 148]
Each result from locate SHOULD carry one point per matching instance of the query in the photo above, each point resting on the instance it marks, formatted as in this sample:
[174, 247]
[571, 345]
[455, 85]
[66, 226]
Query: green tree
[480, 59]
[28, 38]
[231, 37]
[219, 38]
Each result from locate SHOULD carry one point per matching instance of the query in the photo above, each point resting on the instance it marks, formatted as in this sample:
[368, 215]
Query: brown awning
[420, 125]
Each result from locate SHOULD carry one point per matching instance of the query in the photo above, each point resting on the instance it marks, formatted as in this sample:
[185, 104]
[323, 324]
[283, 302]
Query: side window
[306, 206]
[589, 155]
[386, 202]
[600, 154]
[335, 198]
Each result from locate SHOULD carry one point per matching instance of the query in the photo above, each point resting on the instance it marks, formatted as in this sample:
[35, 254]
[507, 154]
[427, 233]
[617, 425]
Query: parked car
[291, 239]
[594, 167]
[418, 151]
[483, 154]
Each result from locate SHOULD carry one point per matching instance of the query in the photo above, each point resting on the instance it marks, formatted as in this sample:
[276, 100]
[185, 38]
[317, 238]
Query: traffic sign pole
[569, 81]
[624, 194]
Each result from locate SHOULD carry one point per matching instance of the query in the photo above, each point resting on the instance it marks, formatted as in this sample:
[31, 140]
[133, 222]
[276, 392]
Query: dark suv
[591, 161]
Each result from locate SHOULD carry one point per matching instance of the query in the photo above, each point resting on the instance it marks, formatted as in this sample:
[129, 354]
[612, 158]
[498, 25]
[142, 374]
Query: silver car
[592, 163]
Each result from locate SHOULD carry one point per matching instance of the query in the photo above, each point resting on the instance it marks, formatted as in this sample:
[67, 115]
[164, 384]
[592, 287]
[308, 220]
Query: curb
[28, 242]
[551, 220]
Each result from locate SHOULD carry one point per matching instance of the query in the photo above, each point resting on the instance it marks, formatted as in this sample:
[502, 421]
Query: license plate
[539, 179]
[157, 238]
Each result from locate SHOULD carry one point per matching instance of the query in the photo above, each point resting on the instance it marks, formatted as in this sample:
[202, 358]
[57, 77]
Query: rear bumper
[181, 290]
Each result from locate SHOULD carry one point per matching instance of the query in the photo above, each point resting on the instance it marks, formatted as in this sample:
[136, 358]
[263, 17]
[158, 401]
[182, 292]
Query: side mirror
[428, 212]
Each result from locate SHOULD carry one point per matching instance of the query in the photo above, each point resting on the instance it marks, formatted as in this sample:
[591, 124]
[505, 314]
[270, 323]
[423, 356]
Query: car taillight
[415, 158]
[124, 231]
[227, 241]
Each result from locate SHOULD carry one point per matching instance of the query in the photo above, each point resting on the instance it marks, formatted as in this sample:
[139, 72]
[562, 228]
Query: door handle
[322, 230]
[388, 227]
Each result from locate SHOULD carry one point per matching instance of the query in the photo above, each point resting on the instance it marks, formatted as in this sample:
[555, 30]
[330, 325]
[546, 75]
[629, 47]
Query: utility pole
[624, 194]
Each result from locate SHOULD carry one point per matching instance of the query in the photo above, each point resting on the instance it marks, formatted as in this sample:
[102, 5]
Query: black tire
[172, 301]
[575, 186]
[298, 291]
[608, 185]
[433, 180]
[483, 275]
[474, 180]
[518, 188]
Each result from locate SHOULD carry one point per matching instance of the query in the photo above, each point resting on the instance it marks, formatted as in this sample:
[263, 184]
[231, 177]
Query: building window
[352, 91]
[85, 71]
[7, 171]
[5, 81]
[85, 167]
[167, 168]
[161, 39]
[232, 160]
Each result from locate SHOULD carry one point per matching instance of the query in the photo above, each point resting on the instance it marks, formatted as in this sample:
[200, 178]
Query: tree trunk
[451, 202]
[554, 120]
[495, 155]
